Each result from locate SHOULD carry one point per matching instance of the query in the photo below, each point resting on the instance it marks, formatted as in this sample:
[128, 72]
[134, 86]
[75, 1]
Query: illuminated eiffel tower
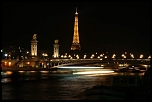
[76, 43]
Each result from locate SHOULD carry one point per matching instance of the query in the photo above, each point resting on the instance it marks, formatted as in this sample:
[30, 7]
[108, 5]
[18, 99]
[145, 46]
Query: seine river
[42, 85]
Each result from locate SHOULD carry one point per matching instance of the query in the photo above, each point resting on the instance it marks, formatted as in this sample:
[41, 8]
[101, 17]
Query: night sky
[103, 26]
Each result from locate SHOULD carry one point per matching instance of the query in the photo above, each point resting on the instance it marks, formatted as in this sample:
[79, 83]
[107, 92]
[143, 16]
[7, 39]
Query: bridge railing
[95, 59]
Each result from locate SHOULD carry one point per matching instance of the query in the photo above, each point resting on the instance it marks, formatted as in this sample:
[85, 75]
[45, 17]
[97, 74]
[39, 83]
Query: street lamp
[132, 56]
[141, 56]
[149, 56]
[101, 55]
[84, 56]
[114, 55]
[6, 55]
[27, 52]
[77, 56]
[61, 56]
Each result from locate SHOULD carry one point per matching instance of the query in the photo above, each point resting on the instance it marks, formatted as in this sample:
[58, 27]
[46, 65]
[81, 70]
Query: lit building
[34, 46]
[56, 49]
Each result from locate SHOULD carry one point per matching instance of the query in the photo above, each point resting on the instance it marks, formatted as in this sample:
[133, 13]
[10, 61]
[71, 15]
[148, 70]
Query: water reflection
[6, 80]
[9, 76]
[42, 85]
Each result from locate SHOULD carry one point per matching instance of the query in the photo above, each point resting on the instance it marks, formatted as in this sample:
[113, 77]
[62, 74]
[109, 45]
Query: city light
[5, 63]
[45, 54]
[84, 56]
[6, 55]
[32, 71]
[105, 57]
[141, 56]
[69, 56]
[44, 71]
[114, 55]
[20, 71]
[122, 55]
[28, 62]
[101, 55]
[132, 56]
[9, 72]
[77, 56]
[149, 57]
[92, 55]
[65, 56]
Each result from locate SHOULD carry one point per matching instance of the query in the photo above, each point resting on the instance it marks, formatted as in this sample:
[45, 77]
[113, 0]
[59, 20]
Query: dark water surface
[28, 85]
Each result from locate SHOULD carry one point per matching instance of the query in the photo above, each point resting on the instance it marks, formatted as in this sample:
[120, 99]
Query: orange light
[5, 63]
[28, 62]
[9, 63]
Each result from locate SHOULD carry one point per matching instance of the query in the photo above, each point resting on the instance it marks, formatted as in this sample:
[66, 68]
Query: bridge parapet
[57, 60]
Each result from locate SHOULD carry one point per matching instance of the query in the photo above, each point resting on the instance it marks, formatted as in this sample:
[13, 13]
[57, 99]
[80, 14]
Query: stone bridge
[56, 62]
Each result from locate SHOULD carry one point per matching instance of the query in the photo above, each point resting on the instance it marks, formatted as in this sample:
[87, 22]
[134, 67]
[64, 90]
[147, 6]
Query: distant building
[34, 46]
[12, 52]
[56, 49]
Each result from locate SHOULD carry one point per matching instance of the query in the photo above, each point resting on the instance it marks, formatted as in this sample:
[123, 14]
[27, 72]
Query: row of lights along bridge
[45, 56]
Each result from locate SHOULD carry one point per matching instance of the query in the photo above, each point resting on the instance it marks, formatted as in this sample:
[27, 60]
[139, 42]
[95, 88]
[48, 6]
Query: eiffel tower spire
[76, 42]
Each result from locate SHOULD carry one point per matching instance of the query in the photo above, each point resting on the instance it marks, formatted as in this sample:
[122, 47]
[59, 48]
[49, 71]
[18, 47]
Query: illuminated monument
[34, 46]
[56, 49]
[33, 60]
[76, 43]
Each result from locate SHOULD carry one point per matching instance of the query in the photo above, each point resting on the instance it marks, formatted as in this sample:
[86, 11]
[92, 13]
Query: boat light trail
[80, 67]
[93, 72]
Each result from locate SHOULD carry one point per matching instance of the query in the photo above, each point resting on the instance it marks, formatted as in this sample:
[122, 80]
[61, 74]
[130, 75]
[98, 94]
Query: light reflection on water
[42, 85]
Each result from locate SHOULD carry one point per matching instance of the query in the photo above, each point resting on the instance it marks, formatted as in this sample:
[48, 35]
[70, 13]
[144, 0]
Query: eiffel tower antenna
[76, 11]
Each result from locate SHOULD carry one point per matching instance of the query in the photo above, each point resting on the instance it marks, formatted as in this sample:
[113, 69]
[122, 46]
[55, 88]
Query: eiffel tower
[76, 43]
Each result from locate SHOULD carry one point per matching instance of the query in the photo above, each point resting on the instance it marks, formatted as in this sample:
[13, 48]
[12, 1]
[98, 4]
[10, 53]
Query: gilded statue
[56, 41]
[34, 36]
